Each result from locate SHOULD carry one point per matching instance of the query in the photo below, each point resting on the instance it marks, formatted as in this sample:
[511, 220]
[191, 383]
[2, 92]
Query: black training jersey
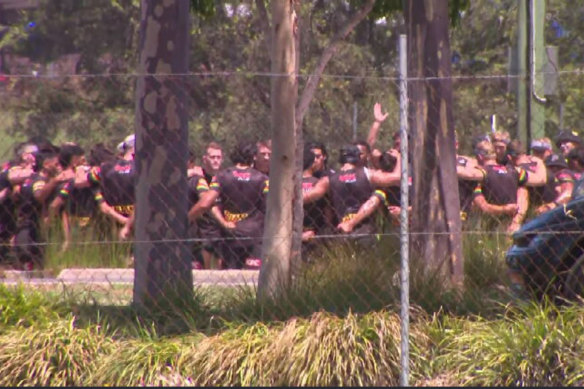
[208, 226]
[7, 204]
[116, 180]
[30, 210]
[539, 195]
[500, 184]
[349, 189]
[242, 194]
[195, 186]
[79, 202]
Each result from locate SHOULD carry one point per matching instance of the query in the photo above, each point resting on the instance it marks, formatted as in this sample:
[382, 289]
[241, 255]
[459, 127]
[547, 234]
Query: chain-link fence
[67, 187]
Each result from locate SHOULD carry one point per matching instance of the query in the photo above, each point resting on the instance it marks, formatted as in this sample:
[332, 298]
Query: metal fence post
[404, 227]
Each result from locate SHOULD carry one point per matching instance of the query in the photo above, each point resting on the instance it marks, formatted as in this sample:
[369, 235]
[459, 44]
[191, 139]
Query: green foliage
[536, 345]
[204, 8]
[55, 355]
[21, 307]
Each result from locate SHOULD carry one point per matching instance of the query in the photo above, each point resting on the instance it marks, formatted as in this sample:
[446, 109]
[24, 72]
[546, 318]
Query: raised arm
[317, 192]
[374, 130]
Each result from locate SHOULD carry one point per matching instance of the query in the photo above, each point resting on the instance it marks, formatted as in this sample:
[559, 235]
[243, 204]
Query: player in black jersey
[241, 190]
[35, 193]
[209, 228]
[540, 186]
[317, 215]
[388, 198]
[500, 190]
[76, 206]
[575, 159]
[350, 187]
[197, 187]
[563, 183]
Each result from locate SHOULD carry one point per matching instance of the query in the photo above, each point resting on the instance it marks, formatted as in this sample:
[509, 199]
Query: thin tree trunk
[327, 54]
[436, 217]
[276, 248]
[162, 264]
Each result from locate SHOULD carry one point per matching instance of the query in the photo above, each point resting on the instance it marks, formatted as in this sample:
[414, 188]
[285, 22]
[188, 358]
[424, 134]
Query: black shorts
[28, 247]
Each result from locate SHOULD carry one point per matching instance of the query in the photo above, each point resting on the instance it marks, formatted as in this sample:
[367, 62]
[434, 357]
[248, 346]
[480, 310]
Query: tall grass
[535, 345]
[57, 355]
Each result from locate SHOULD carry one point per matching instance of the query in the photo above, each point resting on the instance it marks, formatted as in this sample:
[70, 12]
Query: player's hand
[379, 116]
[308, 235]
[345, 227]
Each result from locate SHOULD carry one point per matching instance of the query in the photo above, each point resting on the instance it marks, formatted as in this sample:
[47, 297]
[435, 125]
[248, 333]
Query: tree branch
[265, 22]
[328, 53]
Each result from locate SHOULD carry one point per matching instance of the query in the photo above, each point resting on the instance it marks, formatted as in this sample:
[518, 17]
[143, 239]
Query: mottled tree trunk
[162, 264]
[436, 217]
[277, 243]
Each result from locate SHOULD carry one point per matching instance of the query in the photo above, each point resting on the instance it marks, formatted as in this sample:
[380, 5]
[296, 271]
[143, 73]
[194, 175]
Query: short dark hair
[244, 153]
[41, 157]
[515, 148]
[363, 143]
[99, 154]
[577, 155]
[67, 152]
[308, 158]
[387, 162]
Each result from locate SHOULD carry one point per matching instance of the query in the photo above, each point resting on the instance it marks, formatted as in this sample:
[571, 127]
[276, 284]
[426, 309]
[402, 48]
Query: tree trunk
[276, 249]
[436, 218]
[162, 264]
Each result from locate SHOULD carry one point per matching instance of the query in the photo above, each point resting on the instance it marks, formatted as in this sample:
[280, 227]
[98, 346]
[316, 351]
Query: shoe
[253, 263]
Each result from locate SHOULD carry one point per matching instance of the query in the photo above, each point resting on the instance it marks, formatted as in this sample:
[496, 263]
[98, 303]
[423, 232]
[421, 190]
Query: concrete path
[124, 276]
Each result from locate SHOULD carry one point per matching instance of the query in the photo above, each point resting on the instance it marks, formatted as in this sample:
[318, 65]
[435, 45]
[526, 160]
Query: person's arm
[522, 205]
[563, 197]
[218, 216]
[317, 191]
[17, 174]
[108, 210]
[379, 178]
[366, 210]
[470, 172]
[492, 209]
[374, 130]
[195, 170]
[128, 227]
[539, 176]
[66, 231]
[83, 175]
[206, 201]
[43, 189]
[56, 206]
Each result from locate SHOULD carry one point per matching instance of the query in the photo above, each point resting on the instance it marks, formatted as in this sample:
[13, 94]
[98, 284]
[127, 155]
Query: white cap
[120, 147]
[130, 142]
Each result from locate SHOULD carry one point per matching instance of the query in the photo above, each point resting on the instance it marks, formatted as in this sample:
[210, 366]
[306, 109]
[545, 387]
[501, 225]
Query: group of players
[45, 185]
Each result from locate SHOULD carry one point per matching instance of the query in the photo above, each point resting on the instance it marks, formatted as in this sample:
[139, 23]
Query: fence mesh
[68, 186]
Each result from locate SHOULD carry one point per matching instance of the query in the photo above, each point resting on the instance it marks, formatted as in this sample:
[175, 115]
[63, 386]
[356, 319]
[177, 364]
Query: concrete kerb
[207, 277]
